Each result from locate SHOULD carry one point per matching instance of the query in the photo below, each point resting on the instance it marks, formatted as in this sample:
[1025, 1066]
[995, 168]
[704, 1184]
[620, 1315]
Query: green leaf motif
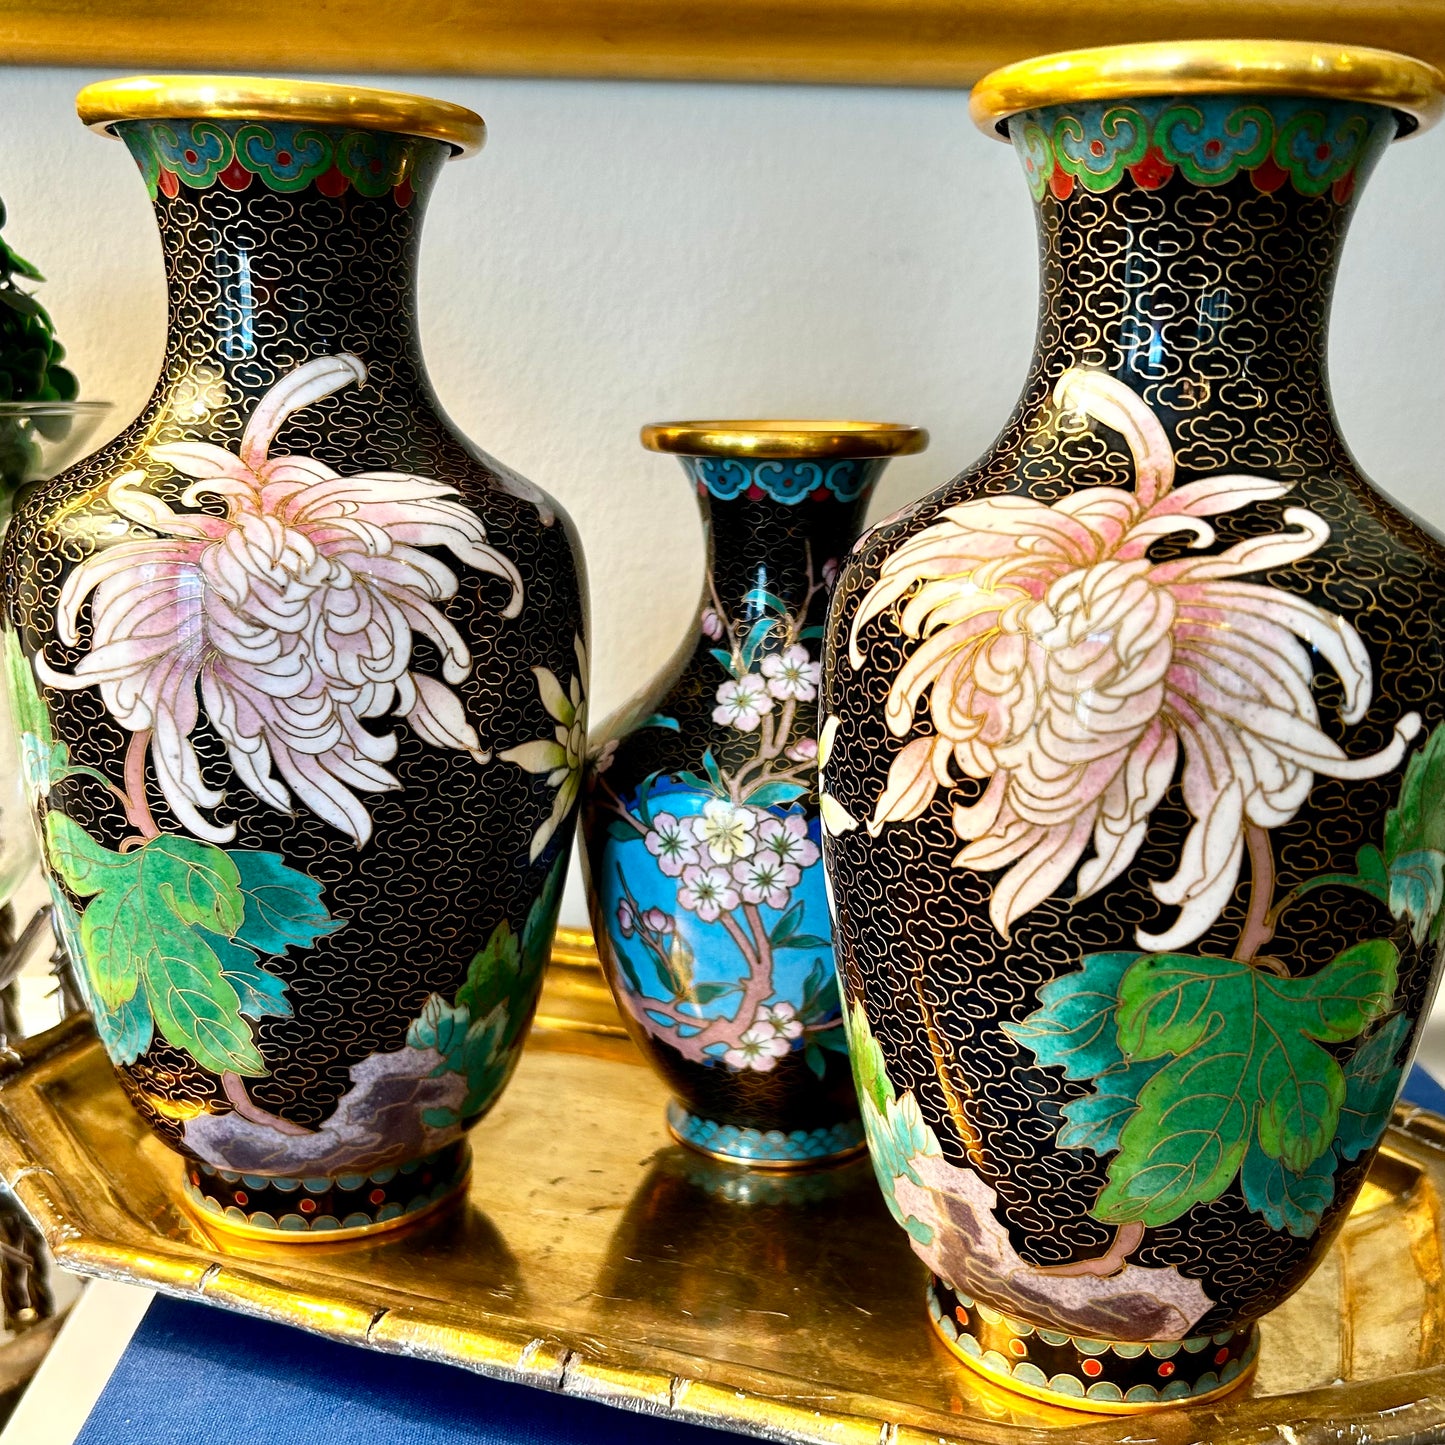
[170, 938]
[1246, 1064]
[1097, 1120]
[283, 907]
[1286, 1199]
[1372, 1084]
[1415, 840]
[262, 994]
[194, 1007]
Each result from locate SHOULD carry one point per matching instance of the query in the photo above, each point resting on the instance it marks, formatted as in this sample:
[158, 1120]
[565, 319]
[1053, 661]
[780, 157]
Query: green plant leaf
[657, 720]
[1417, 886]
[282, 906]
[1246, 1064]
[442, 1027]
[678, 970]
[494, 974]
[1075, 1030]
[714, 773]
[194, 1007]
[1286, 1199]
[1096, 1121]
[198, 882]
[727, 661]
[85, 865]
[1372, 1083]
[706, 993]
[774, 794]
[786, 925]
[757, 636]
[760, 599]
[30, 713]
[541, 924]
[126, 1031]
[262, 994]
[813, 1057]
[1418, 819]
[807, 940]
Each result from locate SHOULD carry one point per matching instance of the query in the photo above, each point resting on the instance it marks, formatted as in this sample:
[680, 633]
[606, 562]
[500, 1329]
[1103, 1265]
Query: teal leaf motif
[262, 994]
[1096, 1121]
[1372, 1083]
[1075, 1030]
[775, 794]
[1286, 1199]
[283, 907]
[126, 1031]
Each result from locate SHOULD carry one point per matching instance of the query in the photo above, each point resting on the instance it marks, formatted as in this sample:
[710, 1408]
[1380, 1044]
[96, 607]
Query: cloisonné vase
[1133, 750]
[299, 675]
[705, 879]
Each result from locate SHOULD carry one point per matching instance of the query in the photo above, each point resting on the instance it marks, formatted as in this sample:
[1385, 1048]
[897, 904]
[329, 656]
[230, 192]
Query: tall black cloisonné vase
[1134, 750]
[299, 675]
[702, 831]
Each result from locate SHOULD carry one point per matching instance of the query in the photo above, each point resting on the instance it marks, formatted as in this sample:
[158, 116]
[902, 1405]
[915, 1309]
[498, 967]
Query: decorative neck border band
[282, 155]
[788, 482]
[1317, 146]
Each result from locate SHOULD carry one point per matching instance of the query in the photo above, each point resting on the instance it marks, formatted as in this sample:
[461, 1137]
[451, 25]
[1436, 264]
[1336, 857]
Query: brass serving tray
[595, 1257]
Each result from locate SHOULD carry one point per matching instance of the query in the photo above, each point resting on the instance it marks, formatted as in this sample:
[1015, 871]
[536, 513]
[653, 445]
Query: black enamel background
[258, 283]
[1211, 304]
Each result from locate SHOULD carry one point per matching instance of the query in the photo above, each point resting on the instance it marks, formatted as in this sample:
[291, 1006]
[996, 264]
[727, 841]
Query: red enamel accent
[191, 157]
[1221, 1355]
[377, 1196]
[1096, 147]
[332, 183]
[1166, 1368]
[1322, 152]
[1061, 183]
[754, 493]
[169, 182]
[235, 177]
[1017, 1347]
[307, 1206]
[1343, 188]
[1212, 148]
[241, 1198]
[1092, 1367]
[821, 495]
[1151, 172]
[403, 191]
[1268, 175]
[283, 158]
[375, 167]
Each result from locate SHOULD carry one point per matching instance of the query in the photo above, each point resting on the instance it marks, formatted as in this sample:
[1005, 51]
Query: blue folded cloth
[199, 1376]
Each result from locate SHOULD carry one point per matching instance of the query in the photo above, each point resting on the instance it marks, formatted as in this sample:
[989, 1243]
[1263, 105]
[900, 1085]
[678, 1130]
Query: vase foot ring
[765, 1149]
[327, 1209]
[1101, 1376]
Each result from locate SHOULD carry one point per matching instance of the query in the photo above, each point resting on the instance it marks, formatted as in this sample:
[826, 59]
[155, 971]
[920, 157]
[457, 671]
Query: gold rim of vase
[243, 97]
[784, 437]
[1410, 87]
[212, 1219]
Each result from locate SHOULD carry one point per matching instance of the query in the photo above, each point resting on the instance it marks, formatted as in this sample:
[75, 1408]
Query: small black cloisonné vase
[701, 823]
[299, 676]
[1133, 750]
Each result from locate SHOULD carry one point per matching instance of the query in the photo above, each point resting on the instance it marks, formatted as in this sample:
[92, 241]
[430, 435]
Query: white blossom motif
[1073, 673]
[786, 840]
[561, 756]
[764, 879]
[743, 704]
[671, 843]
[289, 618]
[725, 830]
[760, 1048]
[791, 674]
[708, 892]
[782, 1018]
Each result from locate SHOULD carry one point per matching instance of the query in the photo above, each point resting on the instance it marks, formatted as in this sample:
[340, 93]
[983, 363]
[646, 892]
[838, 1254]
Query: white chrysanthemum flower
[290, 617]
[1072, 673]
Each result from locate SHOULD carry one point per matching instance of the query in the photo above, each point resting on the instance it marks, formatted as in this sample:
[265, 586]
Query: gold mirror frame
[872, 42]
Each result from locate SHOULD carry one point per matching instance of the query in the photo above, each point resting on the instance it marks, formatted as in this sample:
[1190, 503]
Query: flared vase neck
[308, 232]
[1189, 249]
[778, 526]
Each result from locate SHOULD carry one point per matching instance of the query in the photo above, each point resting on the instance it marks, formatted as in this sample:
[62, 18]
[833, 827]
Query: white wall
[623, 253]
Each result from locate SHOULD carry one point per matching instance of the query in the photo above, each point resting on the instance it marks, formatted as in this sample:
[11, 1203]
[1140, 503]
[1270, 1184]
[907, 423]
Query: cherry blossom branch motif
[738, 855]
[1073, 676]
[290, 619]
